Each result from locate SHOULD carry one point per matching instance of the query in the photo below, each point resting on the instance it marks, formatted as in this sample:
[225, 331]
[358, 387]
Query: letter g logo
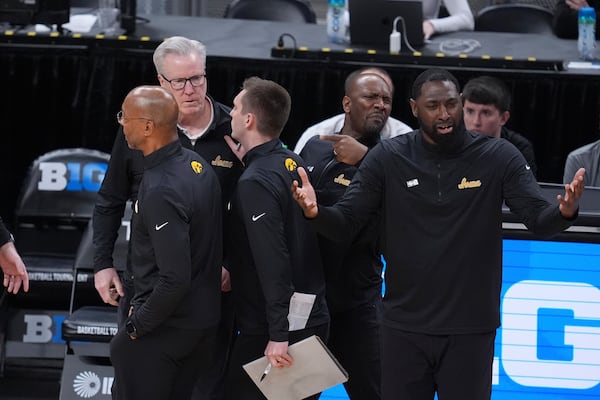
[520, 334]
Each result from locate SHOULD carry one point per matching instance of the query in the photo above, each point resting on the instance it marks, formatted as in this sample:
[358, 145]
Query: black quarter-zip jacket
[275, 249]
[442, 226]
[176, 242]
[125, 171]
[352, 267]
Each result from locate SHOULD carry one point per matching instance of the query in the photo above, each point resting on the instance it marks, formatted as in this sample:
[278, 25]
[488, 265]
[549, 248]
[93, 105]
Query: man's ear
[148, 127]
[346, 104]
[413, 107]
[504, 117]
[250, 120]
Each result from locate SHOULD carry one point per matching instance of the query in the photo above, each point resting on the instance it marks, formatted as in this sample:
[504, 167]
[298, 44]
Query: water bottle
[108, 16]
[338, 26]
[586, 42]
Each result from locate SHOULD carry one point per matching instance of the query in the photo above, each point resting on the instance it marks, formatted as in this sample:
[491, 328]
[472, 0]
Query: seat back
[53, 211]
[57, 201]
[272, 10]
[518, 18]
[55, 204]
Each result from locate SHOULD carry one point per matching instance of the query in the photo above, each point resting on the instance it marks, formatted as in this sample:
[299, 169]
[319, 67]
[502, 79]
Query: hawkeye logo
[465, 184]
[72, 177]
[341, 180]
[290, 164]
[88, 384]
[196, 166]
[219, 162]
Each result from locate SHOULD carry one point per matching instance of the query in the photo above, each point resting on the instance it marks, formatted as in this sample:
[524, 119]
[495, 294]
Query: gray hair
[178, 45]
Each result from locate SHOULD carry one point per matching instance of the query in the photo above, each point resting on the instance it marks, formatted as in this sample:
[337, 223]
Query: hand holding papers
[314, 370]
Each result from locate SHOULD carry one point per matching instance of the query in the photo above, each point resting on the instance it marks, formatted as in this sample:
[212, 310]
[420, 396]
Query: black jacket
[524, 146]
[441, 226]
[276, 251]
[125, 170]
[176, 242]
[352, 268]
[4, 233]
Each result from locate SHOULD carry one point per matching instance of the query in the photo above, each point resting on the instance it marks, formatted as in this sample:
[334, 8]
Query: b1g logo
[72, 176]
[550, 334]
[43, 328]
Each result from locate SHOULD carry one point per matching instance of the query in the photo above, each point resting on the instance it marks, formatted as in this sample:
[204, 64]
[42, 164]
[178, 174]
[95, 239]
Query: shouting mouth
[445, 129]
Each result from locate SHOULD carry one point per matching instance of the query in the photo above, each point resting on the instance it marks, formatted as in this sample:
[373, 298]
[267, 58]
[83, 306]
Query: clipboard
[314, 370]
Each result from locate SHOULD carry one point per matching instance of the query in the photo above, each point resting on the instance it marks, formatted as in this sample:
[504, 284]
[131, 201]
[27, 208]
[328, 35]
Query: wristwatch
[131, 330]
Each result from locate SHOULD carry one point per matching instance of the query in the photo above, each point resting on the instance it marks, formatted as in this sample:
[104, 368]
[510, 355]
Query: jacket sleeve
[263, 218]
[361, 202]
[525, 147]
[117, 187]
[460, 18]
[4, 233]
[524, 197]
[529, 155]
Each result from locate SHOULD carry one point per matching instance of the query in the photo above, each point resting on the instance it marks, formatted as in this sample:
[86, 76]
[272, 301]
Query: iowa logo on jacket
[465, 184]
[196, 166]
[290, 164]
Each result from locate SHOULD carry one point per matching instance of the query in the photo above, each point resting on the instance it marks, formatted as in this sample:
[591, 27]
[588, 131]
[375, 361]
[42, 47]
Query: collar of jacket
[262, 149]
[155, 158]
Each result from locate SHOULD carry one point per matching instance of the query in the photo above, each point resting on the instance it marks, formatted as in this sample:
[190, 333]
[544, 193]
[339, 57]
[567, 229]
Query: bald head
[350, 79]
[155, 103]
[149, 118]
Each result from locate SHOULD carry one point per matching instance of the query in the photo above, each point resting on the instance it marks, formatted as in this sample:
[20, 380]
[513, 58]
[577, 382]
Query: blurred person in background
[460, 17]
[486, 108]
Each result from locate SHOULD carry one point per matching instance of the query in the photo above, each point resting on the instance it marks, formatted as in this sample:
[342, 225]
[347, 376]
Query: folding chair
[514, 17]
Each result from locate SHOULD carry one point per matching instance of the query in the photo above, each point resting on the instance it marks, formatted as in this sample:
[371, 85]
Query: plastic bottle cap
[587, 12]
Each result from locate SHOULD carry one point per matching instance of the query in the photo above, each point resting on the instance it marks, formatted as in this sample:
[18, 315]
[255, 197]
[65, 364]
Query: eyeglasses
[179, 83]
[121, 119]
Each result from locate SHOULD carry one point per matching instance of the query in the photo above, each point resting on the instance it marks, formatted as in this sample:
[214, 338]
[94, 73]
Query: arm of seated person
[346, 149]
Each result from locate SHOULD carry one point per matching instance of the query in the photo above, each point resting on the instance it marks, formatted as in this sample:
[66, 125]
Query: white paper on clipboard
[314, 370]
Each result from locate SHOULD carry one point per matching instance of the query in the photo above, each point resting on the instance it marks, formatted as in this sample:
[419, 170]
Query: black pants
[246, 348]
[211, 387]
[162, 365]
[208, 386]
[354, 340]
[124, 302]
[415, 366]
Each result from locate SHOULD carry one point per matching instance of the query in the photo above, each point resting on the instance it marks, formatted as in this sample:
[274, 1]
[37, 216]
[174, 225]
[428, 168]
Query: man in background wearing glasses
[202, 123]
